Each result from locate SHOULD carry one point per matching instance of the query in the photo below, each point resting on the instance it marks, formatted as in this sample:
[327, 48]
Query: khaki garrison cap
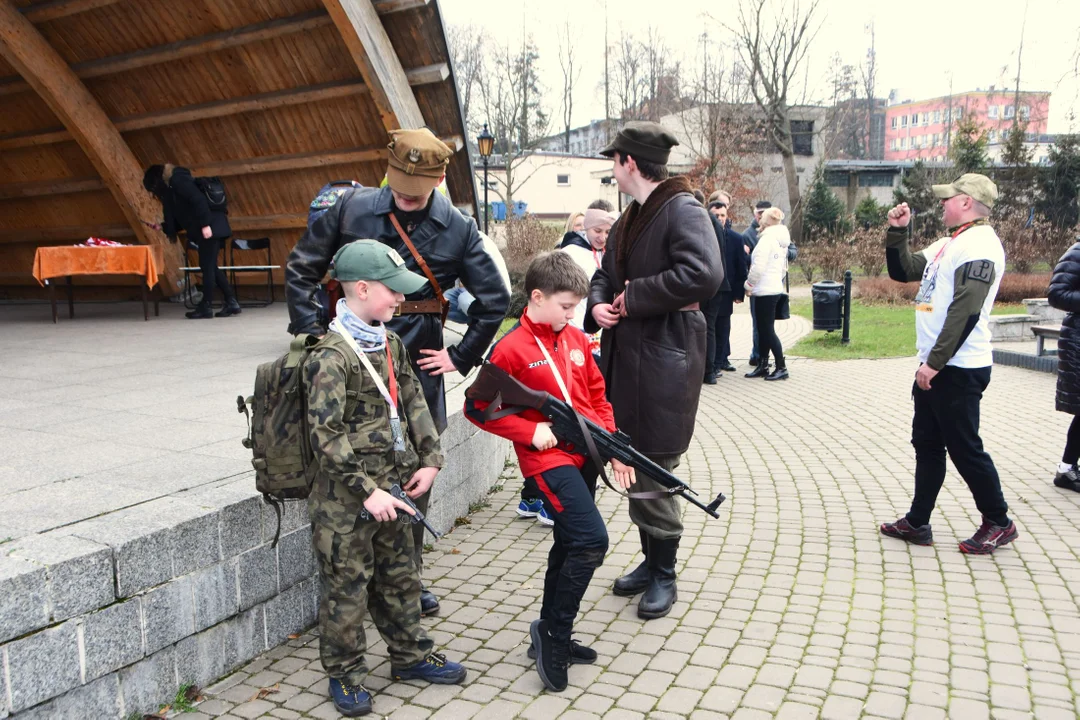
[974, 185]
[418, 161]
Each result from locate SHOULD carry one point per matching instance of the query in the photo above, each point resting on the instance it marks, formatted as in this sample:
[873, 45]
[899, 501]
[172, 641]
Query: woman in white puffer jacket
[765, 283]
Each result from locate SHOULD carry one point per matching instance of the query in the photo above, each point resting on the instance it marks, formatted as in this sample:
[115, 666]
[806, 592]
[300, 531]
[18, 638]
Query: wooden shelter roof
[276, 96]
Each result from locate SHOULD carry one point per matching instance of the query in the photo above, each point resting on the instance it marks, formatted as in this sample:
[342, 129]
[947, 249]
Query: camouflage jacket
[350, 429]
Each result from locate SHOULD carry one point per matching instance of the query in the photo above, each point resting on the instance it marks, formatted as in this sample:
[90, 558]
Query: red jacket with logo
[519, 354]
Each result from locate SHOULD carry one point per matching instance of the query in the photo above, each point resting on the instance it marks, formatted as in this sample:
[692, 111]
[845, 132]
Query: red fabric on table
[61, 261]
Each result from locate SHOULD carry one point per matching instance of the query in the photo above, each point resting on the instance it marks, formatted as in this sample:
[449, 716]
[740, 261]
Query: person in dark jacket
[185, 207]
[1064, 294]
[453, 250]
[662, 262]
[731, 293]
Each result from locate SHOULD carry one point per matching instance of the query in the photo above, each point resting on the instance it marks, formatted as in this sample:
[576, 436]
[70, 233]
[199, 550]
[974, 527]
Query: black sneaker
[1070, 480]
[579, 654]
[726, 367]
[552, 658]
[904, 530]
[989, 537]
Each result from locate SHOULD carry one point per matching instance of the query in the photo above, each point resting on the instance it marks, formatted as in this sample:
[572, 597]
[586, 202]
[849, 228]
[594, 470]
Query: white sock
[1064, 467]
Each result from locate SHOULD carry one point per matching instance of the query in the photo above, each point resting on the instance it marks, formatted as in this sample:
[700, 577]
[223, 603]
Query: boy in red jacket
[544, 353]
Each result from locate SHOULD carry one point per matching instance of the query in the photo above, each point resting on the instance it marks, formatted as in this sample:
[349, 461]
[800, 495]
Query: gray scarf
[370, 338]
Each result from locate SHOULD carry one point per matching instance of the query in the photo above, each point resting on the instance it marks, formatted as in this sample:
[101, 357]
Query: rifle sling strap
[492, 413]
[423, 266]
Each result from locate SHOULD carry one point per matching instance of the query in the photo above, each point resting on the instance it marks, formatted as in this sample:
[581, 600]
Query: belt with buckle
[419, 307]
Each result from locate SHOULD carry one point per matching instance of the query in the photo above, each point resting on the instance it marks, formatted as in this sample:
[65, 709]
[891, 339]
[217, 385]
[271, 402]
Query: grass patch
[877, 331]
[507, 323]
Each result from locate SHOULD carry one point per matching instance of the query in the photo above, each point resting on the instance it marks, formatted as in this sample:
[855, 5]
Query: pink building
[922, 129]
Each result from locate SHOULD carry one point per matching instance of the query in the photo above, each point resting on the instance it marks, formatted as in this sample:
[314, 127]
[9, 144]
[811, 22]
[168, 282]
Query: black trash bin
[828, 305]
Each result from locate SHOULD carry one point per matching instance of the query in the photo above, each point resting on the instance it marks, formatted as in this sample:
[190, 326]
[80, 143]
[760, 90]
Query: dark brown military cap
[646, 141]
[418, 160]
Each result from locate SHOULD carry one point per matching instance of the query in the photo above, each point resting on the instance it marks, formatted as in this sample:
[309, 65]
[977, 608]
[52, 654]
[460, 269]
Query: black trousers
[947, 420]
[768, 341]
[212, 276]
[709, 309]
[725, 305]
[1072, 442]
[579, 543]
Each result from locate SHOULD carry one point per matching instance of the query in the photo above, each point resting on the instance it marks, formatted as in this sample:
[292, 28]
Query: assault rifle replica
[506, 396]
[404, 517]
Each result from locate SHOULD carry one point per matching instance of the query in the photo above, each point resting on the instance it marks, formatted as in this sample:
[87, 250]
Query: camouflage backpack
[279, 435]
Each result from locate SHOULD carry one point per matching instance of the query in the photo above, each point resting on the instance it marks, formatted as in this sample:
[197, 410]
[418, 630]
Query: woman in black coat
[1064, 294]
[186, 208]
[736, 266]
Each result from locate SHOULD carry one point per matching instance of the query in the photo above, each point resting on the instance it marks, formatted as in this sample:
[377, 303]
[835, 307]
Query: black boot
[231, 308]
[780, 373]
[761, 370]
[202, 311]
[638, 579]
[661, 593]
[710, 378]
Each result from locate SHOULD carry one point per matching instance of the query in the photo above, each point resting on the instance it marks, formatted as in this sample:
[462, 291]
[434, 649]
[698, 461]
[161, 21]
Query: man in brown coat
[662, 262]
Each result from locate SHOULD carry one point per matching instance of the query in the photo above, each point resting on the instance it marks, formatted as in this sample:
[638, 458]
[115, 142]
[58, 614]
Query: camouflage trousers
[371, 570]
[661, 519]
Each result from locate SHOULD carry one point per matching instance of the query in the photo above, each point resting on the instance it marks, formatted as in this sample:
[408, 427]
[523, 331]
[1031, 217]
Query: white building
[553, 185]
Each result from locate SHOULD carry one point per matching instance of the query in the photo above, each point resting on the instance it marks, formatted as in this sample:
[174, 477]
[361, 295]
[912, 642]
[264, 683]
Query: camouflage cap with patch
[417, 161]
[371, 260]
[977, 186]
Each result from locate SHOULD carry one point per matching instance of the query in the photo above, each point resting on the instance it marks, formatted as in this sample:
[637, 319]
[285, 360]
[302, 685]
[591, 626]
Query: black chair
[255, 245]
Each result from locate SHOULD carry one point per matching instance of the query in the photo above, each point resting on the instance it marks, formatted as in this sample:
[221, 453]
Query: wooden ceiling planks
[265, 93]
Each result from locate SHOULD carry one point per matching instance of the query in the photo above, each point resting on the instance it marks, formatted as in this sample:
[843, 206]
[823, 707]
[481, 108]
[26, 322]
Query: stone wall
[109, 617]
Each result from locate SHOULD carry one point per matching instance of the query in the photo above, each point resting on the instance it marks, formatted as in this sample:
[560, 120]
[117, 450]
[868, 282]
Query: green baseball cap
[371, 260]
[974, 185]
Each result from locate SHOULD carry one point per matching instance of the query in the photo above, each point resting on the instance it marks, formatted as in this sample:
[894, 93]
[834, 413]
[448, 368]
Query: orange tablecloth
[61, 261]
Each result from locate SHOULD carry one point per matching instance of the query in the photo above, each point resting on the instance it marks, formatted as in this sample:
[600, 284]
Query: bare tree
[511, 96]
[570, 75]
[467, 57]
[660, 73]
[774, 49]
[628, 77]
[720, 128]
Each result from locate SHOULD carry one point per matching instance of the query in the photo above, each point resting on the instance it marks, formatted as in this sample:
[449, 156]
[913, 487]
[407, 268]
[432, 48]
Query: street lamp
[486, 143]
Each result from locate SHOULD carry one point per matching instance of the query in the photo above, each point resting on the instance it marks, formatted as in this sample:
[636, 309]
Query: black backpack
[214, 190]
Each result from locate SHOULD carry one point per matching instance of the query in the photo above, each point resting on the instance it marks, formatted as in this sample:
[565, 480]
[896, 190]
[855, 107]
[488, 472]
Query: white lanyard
[395, 422]
[555, 372]
[368, 366]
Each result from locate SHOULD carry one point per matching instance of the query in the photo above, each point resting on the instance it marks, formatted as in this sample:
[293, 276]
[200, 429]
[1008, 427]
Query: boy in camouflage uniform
[358, 378]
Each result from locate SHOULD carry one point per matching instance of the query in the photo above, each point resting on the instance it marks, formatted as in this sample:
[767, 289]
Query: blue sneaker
[350, 700]
[530, 508]
[543, 517]
[435, 668]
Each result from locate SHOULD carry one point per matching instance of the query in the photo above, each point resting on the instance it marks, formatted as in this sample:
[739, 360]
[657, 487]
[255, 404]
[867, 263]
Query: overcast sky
[921, 44]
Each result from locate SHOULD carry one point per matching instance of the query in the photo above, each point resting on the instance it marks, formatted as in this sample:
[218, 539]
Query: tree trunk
[794, 197]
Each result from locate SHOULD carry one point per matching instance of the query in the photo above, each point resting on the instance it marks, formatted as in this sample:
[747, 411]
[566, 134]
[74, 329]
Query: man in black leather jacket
[447, 241]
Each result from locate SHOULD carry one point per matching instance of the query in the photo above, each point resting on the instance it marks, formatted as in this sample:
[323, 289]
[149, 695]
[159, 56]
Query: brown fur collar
[637, 217]
[166, 174]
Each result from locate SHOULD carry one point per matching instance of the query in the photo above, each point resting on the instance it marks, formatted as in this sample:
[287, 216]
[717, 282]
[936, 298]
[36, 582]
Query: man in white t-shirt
[960, 274]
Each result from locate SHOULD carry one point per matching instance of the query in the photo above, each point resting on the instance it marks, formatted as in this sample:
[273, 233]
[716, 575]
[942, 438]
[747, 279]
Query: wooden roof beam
[426, 75]
[25, 49]
[186, 48]
[385, 7]
[358, 23]
[271, 163]
[56, 9]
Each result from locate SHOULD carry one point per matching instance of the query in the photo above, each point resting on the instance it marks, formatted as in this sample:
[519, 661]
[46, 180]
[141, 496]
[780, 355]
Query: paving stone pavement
[791, 605]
